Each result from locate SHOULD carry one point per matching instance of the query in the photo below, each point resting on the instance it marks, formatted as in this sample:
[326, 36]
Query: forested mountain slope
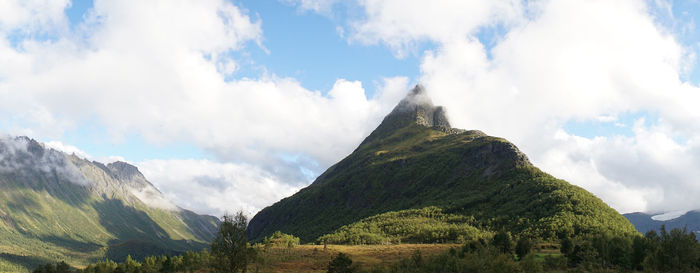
[415, 159]
[55, 206]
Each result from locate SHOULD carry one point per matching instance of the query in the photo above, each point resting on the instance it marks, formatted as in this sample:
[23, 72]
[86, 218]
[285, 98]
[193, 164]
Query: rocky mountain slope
[414, 160]
[55, 206]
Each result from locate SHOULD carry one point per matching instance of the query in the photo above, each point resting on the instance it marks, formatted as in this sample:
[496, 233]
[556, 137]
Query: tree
[523, 247]
[341, 264]
[567, 246]
[230, 248]
[640, 249]
[503, 242]
[675, 251]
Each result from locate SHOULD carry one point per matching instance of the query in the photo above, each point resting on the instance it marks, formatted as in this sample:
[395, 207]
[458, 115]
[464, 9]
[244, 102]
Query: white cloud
[153, 198]
[24, 157]
[579, 60]
[157, 69]
[648, 170]
[72, 150]
[216, 188]
[560, 61]
[68, 149]
[33, 16]
[319, 6]
[401, 24]
[154, 68]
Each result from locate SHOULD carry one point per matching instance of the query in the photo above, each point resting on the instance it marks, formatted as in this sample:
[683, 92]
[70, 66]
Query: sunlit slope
[55, 207]
[414, 159]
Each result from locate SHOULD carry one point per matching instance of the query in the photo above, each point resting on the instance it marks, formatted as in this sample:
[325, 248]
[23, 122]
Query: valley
[416, 194]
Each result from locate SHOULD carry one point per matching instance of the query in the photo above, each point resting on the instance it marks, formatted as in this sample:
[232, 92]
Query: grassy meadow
[315, 258]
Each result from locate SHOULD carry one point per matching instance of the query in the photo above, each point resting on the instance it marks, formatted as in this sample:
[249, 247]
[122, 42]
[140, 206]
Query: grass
[315, 258]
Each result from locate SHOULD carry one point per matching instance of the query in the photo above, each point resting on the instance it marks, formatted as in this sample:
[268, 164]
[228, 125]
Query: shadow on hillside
[138, 234]
[138, 250]
[70, 244]
[29, 262]
[56, 186]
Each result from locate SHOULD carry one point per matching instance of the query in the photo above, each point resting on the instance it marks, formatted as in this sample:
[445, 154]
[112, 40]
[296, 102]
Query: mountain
[55, 206]
[414, 160]
[644, 222]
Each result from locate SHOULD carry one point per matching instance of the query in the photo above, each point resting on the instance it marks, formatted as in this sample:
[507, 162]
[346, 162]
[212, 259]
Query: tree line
[230, 252]
[665, 251]
[676, 250]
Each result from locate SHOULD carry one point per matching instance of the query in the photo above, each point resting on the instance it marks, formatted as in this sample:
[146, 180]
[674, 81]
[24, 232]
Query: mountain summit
[418, 107]
[415, 160]
[415, 108]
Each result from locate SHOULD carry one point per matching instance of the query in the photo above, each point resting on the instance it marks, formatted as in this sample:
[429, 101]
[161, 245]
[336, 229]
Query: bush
[341, 264]
[279, 239]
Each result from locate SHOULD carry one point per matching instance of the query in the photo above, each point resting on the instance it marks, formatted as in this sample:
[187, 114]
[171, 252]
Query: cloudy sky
[228, 105]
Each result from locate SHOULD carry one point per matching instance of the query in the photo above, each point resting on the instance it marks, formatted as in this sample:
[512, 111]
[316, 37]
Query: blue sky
[591, 91]
[299, 44]
[308, 47]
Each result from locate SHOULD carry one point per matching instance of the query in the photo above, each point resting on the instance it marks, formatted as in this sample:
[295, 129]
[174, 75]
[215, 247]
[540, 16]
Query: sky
[233, 105]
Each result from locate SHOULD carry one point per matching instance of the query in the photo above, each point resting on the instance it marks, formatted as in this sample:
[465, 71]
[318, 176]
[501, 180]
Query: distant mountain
[414, 160]
[55, 206]
[644, 222]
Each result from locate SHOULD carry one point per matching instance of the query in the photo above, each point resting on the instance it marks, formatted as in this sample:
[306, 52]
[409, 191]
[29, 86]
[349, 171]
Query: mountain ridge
[644, 222]
[59, 206]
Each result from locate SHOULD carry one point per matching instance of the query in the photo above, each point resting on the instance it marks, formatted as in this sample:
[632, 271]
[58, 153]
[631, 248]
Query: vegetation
[467, 174]
[188, 262]
[409, 183]
[279, 239]
[60, 267]
[45, 217]
[668, 251]
[230, 247]
[426, 225]
[341, 264]
[43, 229]
[404, 164]
[674, 251]
[304, 258]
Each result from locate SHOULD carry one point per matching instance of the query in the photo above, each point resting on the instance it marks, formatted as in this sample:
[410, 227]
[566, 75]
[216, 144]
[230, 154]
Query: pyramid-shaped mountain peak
[415, 160]
[415, 108]
[418, 107]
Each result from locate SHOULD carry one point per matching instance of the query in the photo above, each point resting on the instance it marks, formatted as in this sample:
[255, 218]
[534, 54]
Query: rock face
[415, 108]
[415, 159]
[55, 206]
[418, 107]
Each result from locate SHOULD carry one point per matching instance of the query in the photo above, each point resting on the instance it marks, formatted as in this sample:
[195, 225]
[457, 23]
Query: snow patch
[669, 215]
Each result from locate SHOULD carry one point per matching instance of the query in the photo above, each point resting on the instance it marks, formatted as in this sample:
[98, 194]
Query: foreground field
[315, 258]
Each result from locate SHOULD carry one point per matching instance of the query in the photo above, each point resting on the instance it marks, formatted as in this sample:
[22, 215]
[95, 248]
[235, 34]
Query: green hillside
[414, 159]
[424, 226]
[56, 207]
